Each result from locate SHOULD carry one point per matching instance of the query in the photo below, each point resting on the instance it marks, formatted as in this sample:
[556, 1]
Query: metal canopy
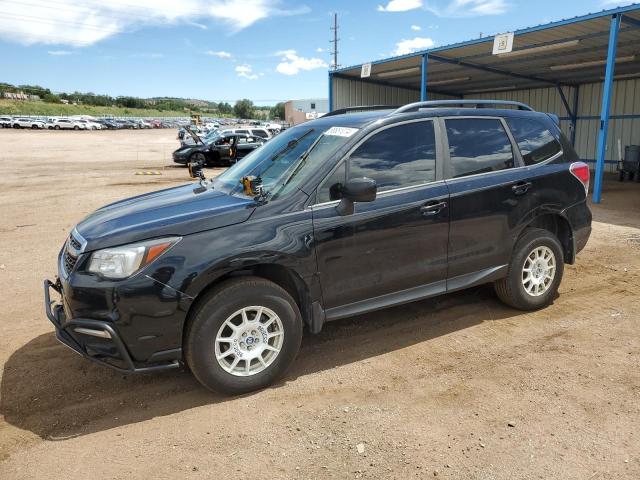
[567, 52]
[593, 48]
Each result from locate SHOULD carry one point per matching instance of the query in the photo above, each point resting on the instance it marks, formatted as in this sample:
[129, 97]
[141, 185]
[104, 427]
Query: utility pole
[335, 41]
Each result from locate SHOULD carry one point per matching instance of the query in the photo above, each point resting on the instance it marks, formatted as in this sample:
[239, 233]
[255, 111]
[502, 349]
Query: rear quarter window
[535, 140]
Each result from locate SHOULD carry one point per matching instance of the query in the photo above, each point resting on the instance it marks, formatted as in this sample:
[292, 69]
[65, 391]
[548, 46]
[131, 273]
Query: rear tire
[535, 271]
[264, 315]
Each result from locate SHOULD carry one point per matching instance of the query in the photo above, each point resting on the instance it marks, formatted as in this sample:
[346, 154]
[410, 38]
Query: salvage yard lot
[459, 386]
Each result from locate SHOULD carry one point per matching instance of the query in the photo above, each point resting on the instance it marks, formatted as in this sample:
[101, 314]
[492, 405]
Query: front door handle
[521, 188]
[433, 208]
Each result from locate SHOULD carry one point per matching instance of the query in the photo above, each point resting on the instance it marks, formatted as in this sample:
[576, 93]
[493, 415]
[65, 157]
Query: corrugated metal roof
[470, 66]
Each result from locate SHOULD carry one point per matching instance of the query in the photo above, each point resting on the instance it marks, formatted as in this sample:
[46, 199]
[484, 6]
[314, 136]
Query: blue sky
[265, 50]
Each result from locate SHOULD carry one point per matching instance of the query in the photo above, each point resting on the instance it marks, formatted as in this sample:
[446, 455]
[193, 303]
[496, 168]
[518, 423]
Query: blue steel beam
[423, 77]
[574, 118]
[389, 84]
[630, 21]
[564, 101]
[494, 70]
[606, 105]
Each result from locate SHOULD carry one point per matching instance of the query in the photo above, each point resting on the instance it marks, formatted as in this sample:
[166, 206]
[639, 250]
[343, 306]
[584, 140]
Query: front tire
[243, 336]
[198, 157]
[535, 271]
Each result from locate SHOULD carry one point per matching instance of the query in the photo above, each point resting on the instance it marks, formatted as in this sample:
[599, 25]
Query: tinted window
[260, 133]
[478, 145]
[397, 157]
[535, 140]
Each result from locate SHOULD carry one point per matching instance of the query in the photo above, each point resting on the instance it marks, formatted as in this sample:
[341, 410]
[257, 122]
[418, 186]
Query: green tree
[225, 108]
[243, 108]
[277, 111]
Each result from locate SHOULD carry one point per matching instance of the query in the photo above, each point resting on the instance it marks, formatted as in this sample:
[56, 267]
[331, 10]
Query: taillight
[580, 170]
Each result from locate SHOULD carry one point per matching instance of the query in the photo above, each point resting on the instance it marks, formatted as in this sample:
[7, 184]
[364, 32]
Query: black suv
[350, 213]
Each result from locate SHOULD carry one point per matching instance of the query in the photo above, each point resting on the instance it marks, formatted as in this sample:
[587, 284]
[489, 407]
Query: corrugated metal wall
[354, 93]
[624, 123]
[625, 109]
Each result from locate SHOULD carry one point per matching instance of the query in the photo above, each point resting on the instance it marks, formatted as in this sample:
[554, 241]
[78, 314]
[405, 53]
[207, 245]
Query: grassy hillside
[17, 107]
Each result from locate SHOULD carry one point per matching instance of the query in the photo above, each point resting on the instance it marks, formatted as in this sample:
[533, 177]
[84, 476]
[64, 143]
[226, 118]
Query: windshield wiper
[289, 146]
[301, 160]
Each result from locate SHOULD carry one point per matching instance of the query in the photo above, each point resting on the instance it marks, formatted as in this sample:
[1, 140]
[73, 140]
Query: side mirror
[356, 190]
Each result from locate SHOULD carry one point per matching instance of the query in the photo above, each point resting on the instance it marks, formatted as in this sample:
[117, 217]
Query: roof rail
[414, 107]
[362, 108]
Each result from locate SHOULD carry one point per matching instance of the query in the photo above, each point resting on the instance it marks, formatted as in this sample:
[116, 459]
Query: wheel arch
[286, 278]
[557, 224]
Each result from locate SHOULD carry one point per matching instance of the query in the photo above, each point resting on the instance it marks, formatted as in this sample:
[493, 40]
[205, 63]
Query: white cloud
[246, 71]
[400, 5]
[219, 54]
[291, 63]
[59, 53]
[412, 45]
[84, 23]
[416, 28]
[319, 50]
[467, 8]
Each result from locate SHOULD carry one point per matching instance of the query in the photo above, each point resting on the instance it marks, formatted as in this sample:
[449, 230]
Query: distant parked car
[143, 124]
[88, 124]
[109, 124]
[256, 132]
[64, 124]
[22, 122]
[5, 122]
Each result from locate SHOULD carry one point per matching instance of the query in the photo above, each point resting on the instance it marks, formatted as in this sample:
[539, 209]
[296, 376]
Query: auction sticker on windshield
[341, 131]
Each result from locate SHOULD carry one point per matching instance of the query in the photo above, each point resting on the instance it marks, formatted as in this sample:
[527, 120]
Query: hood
[193, 134]
[175, 211]
[201, 147]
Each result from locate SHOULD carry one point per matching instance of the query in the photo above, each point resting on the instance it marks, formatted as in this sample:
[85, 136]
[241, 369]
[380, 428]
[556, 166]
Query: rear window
[535, 140]
[478, 145]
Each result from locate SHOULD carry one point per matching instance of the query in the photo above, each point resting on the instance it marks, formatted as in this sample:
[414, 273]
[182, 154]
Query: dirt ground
[455, 387]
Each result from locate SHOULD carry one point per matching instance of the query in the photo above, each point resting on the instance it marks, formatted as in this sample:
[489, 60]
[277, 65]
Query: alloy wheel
[249, 341]
[538, 271]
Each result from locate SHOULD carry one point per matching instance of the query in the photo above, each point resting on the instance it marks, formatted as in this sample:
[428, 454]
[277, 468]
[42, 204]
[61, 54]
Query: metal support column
[606, 104]
[330, 92]
[574, 117]
[423, 78]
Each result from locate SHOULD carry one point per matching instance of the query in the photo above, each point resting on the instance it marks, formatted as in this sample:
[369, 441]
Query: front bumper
[95, 340]
[182, 160]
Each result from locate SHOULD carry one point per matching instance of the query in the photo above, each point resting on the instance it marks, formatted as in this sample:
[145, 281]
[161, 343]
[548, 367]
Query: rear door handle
[521, 188]
[433, 208]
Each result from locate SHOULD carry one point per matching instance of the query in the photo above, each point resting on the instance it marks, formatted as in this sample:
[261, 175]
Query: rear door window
[535, 140]
[477, 145]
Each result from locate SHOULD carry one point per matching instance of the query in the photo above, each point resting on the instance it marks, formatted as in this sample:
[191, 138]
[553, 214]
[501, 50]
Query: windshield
[212, 136]
[286, 161]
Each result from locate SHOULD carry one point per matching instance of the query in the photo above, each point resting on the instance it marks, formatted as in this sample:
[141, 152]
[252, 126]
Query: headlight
[122, 262]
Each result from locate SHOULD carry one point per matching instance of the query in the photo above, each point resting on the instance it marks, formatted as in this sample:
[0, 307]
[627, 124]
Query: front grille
[69, 262]
[74, 243]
